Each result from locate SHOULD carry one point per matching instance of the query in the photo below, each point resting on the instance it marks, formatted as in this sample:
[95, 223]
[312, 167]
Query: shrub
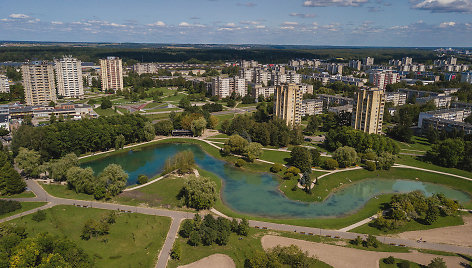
[39, 216]
[370, 165]
[176, 252]
[404, 264]
[199, 193]
[240, 162]
[389, 260]
[330, 164]
[346, 156]
[437, 263]
[183, 162]
[295, 171]
[276, 168]
[142, 179]
[7, 206]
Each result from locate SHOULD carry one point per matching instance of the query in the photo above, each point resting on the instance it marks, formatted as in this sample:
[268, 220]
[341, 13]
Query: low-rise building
[455, 114]
[397, 98]
[312, 107]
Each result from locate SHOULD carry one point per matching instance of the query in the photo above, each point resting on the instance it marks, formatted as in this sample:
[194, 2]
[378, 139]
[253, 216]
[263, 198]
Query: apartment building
[39, 84]
[335, 68]
[355, 64]
[368, 109]
[288, 103]
[258, 90]
[69, 77]
[220, 87]
[407, 61]
[334, 100]
[145, 68]
[293, 78]
[441, 101]
[397, 98]
[111, 71]
[238, 85]
[455, 114]
[369, 61]
[466, 77]
[381, 78]
[312, 107]
[4, 84]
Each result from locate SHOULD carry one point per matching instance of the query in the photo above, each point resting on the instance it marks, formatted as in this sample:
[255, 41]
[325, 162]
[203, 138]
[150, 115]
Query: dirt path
[212, 261]
[341, 257]
[455, 235]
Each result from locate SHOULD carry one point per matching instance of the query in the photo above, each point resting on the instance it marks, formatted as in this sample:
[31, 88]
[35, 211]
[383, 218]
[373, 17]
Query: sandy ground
[212, 261]
[456, 235]
[341, 257]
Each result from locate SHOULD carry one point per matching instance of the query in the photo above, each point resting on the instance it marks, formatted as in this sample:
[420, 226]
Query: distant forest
[165, 54]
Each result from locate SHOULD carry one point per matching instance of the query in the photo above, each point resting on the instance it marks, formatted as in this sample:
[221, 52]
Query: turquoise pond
[257, 193]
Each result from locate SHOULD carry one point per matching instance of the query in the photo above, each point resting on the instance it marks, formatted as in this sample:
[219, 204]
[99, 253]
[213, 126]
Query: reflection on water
[257, 193]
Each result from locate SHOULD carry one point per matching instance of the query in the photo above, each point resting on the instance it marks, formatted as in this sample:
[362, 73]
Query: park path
[169, 243]
[357, 224]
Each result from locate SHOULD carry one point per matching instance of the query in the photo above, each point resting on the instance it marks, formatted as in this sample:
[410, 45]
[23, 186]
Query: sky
[406, 23]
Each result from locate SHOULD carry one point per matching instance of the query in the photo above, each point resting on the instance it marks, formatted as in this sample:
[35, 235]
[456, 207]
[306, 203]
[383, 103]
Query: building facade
[383, 78]
[111, 70]
[4, 84]
[368, 109]
[288, 103]
[69, 77]
[312, 107]
[397, 98]
[220, 87]
[39, 84]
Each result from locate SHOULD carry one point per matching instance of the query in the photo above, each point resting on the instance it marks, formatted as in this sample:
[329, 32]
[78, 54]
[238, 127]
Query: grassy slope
[416, 162]
[25, 206]
[134, 240]
[105, 112]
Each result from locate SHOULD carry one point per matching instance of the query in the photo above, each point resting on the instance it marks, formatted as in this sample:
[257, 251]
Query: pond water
[257, 193]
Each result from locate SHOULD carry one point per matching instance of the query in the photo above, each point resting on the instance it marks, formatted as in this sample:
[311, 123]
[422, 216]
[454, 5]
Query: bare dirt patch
[212, 261]
[341, 257]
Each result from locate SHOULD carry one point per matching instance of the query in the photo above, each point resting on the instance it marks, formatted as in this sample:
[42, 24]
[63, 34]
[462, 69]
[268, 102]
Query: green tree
[164, 128]
[113, 178]
[142, 179]
[315, 157]
[149, 132]
[253, 151]
[82, 180]
[28, 161]
[106, 104]
[330, 164]
[58, 168]
[198, 126]
[300, 157]
[447, 153]
[194, 239]
[119, 142]
[346, 156]
[176, 252]
[39, 215]
[199, 193]
[432, 214]
[437, 263]
[236, 145]
[243, 227]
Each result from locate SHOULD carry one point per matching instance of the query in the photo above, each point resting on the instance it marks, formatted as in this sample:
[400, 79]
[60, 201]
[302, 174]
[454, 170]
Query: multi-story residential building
[4, 121]
[220, 87]
[39, 84]
[369, 61]
[397, 98]
[262, 77]
[452, 61]
[455, 114]
[69, 77]
[466, 77]
[334, 100]
[355, 64]
[248, 64]
[294, 78]
[306, 88]
[258, 90]
[381, 78]
[407, 61]
[442, 101]
[145, 68]
[111, 70]
[447, 125]
[368, 109]
[238, 85]
[247, 74]
[288, 103]
[312, 107]
[4, 84]
[335, 68]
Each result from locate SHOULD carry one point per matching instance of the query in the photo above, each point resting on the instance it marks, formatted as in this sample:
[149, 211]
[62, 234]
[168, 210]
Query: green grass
[134, 240]
[411, 226]
[105, 112]
[275, 156]
[25, 194]
[62, 191]
[25, 206]
[222, 118]
[238, 249]
[418, 143]
[382, 264]
[220, 136]
[416, 162]
[124, 111]
[153, 117]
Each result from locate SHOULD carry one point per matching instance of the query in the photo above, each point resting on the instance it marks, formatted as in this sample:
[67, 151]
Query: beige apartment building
[111, 71]
[367, 113]
[69, 77]
[288, 103]
[38, 81]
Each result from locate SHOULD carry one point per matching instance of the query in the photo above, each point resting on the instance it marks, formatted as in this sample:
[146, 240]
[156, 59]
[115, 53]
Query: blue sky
[296, 22]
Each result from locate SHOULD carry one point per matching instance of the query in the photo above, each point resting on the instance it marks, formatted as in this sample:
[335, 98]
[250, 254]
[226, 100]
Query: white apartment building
[262, 77]
[288, 104]
[247, 74]
[397, 98]
[368, 109]
[381, 78]
[4, 84]
[111, 70]
[258, 90]
[294, 78]
[312, 107]
[335, 68]
[69, 77]
[145, 68]
[369, 61]
[407, 61]
[456, 114]
[220, 87]
[239, 86]
[39, 84]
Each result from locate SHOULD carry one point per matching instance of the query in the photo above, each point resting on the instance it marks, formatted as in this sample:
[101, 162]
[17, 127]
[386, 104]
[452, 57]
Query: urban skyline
[315, 22]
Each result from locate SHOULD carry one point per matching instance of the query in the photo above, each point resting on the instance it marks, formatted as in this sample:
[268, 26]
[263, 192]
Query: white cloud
[260, 26]
[325, 3]
[302, 15]
[447, 24]
[290, 23]
[230, 24]
[443, 6]
[18, 16]
[186, 24]
[250, 22]
[57, 22]
[158, 23]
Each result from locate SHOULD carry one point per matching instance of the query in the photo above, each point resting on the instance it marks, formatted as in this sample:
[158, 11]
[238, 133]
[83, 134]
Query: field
[134, 240]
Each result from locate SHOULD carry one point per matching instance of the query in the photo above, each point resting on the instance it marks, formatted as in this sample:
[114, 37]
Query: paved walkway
[357, 224]
[169, 243]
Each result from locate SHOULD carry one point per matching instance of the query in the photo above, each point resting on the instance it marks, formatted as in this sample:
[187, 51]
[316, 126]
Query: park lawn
[221, 135]
[25, 206]
[124, 111]
[238, 249]
[105, 112]
[134, 240]
[222, 118]
[417, 162]
[397, 263]
[25, 194]
[418, 143]
[275, 156]
[62, 191]
[163, 193]
[411, 226]
[153, 117]
[174, 98]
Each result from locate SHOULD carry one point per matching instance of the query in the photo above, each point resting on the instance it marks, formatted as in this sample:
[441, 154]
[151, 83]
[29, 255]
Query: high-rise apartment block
[220, 87]
[69, 77]
[288, 103]
[355, 64]
[407, 61]
[381, 78]
[369, 61]
[111, 70]
[368, 109]
[4, 84]
[38, 81]
[238, 85]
